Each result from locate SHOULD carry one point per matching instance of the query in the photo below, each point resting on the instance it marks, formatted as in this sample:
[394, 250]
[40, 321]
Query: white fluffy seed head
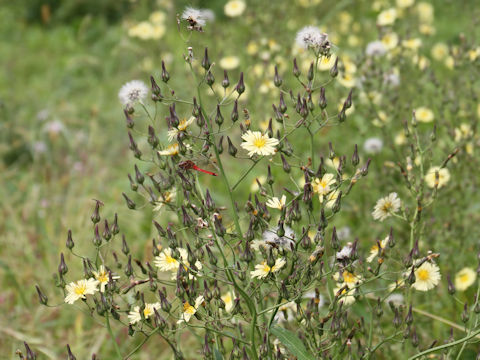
[132, 92]
[311, 37]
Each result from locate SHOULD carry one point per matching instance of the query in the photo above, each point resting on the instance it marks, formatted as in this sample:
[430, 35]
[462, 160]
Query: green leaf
[292, 343]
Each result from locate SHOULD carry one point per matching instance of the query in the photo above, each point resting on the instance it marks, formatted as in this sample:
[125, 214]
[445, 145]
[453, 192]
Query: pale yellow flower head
[465, 278]
[427, 276]
[257, 143]
[424, 114]
[79, 290]
[190, 310]
[234, 8]
[386, 206]
[443, 176]
[387, 17]
[229, 62]
[404, 3]
[277, 203]
[263, 270]
[439, 51]
[134, 316]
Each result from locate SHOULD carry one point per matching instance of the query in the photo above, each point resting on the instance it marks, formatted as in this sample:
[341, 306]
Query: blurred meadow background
[63, 141]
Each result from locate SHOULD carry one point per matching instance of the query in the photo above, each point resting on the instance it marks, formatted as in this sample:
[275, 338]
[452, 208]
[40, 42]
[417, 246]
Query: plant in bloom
[387, 17]
[424, 115]
[228, 299]
[427, 276]
[277, 203]
[257, 143]
[323, 186]
[132, 92]
[345, 294]
[234, 8]
[102, 276]
[190, 310]
[79, 290]
[171, 150]
[263, 270]
[374, 249]
[443, 177]
[182, 126]
[386, 206]
[229, 62]
[465, 278]
[134, 316]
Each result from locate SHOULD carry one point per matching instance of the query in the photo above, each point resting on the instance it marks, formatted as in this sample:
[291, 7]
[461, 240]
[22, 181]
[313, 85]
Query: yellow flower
[252, 48]
[157, 17]
[450, 62]
[465, 278]
[426, 29]
[134, 316]
[331, 198]
[386, 206]
[254, 186]
[439, 51]
[347, 80]
[257, 143]
[412, 44]
[165, 261]
[322, 186]
[79, 290]
[190, 310]
[427, 276]
[390, 40]
[228, 299]
[374, 249]
[387, 17]
[229, 62]
[262, 270]
[424, 114]
[346, 295]
[143, 30]
[443, 176]
[167, 198]
[400, 138]
[102, 277]
[425, 12]
[182, 126]
[404, 3]
[276, 203]
[171, 150]
[347, 278]
[463, 132]
[234, 8]
[308, 3]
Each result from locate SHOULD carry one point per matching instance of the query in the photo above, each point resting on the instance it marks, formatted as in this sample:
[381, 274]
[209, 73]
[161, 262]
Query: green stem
[141, 344]
[109, 328]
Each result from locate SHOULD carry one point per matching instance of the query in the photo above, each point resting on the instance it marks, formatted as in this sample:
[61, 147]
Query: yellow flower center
[464, 278]
[259, 143]
[374, 249]
[102, 277]
[80, 289]
[348, 277]
[183, 125]
[170, 260]
[266, 268]
[189, 309]
[147, 311]
[387, 206]
[423, 274]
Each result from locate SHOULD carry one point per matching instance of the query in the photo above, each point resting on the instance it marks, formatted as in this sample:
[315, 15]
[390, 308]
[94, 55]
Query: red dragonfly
[189, 164]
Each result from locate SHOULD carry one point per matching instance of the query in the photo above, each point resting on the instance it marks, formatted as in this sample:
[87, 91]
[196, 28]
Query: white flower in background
[397, 299]
[465, 278]
[190, 310]
[373, 145]
[195, 17]
[405, 3]
[427, 276]
[286, 312]
[54, 127]
[276, 203]
[374, 249]
[262, 270]
[387, 17]
[132, 92]
[229, 62]
[386, 206]
[134, 316]
[271, 239]
[345, 252]
[443, 176]
[375, 48]
[257, 143]
[311, 37]
[102, 277]
[392, 79]
[228, 298]
[234, 8]
[79, 290]
[343, 233]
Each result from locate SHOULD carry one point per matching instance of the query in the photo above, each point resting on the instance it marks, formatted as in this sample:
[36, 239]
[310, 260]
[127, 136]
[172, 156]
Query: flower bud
[241, 85]
[415, 340]
[234, 115]
[107, 234]
[41, 296]
[128, 268]
[152, 138]
[323, 100]
[334, 69]
[69, 243]
[391, 239]
[364, 170]
[133, 185]
[355, 158]
[286, 166]
[211, 257]
[336, 206]
[97, 240]
[232, 150]
[160, 230]
[70, 354]
[451, 287]
[96, 213]
[296, 70]
[465, 314]
[130, 122]
[348, 102]
[209, 78]
[62, 267]
[335, 243]
[205, 61]
[342, 115]
[277, 80]
[130, 204]
[133, 146]
[282, 106]
[409, 317]
[225, 81]
[165, 74]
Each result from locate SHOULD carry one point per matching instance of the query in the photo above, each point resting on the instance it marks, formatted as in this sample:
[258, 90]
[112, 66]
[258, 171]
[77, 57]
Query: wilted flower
[345, 252]
[465, 278]
[271, 239]
[331, 198]
[427, 276]
[346, 295]
[234, 8]
[182, 126]
[262, 270]
[373, 145]
[190, 310]
[286, 312]
[132, 92]
[134, 315]
[311, 37]
[386, 206]
[78, 290]
[171, 150]
[257, 143]
[443, 176]
[228, 299]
